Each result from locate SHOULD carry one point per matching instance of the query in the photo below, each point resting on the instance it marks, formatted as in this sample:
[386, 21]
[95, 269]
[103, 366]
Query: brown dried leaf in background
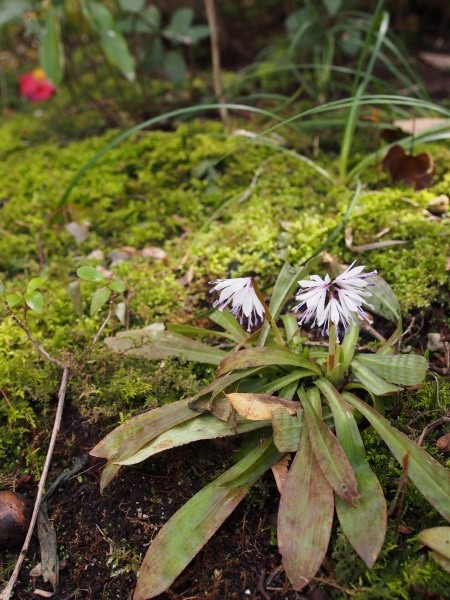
[412, 170]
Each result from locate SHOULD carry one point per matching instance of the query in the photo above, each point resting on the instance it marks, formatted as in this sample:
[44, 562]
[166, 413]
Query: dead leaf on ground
[280, 471]
[412, 170]
[415, 126]
[438, 60]
[370, 246]
[260, 407]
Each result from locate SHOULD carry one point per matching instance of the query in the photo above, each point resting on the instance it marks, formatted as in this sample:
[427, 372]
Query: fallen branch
[6, 593]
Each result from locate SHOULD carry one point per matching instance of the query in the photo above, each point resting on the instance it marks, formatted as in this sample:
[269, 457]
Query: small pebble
[434, 342]
[15, 515]
[439, 205]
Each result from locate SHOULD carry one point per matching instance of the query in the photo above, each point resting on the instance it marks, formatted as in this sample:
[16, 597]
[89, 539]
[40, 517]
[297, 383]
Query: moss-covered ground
[189, 192]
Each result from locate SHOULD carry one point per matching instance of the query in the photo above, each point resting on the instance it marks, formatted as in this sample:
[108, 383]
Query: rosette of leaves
[289, 395]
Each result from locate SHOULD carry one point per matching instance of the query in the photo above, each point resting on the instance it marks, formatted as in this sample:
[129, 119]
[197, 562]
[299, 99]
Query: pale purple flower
[337, 301]
[240, 295]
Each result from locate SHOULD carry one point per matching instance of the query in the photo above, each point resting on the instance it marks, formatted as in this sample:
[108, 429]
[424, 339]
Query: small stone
[439, 205]
[443, 443]
[154, 252]
[15, 515]
[435, 343]
[96, 255]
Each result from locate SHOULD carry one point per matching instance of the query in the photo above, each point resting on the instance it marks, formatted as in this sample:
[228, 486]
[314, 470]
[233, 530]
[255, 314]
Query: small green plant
[288, 397]
[107, 292]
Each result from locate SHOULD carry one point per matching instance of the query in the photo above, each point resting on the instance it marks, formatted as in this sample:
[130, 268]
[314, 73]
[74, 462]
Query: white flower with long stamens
[337, 301]
[240, 295]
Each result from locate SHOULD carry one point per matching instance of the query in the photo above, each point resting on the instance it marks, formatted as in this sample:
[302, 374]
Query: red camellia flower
[35, 86]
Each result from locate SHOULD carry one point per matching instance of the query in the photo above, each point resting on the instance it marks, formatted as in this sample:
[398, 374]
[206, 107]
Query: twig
[35, 343]
[211, 15]
[430, 427]
[103, 325]
[6, 593]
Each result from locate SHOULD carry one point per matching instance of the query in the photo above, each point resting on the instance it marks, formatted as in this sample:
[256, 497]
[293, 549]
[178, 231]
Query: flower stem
[276, 331]
[332, 347]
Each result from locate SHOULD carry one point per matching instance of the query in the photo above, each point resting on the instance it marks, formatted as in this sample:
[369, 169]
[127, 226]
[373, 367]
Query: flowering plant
[35, 86]
[298, 399]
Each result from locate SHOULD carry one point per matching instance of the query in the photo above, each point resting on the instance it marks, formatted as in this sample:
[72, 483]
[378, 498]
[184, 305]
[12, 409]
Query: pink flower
[240, 294]
[35, 86]
[337, 301]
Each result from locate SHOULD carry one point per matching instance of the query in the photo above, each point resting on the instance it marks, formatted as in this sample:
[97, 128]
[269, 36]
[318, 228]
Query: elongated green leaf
[371, 381]
[384, 300]
[281, 382]
[128, 438]
[205, 427]
[371, 506]
[252, 466]
[35, 301]
[431, 478]
[349, 345]
[404, 369]
[219, 385]
[100, 297]
[188, 530]
[12, 10]
[330, 455]
[258, 357]
[438, 539]
[305, 516]
[51, 51]
[110, 471]
[284, 286]
[154, 345]
[103, 24]
[287, 430]
[228, 322]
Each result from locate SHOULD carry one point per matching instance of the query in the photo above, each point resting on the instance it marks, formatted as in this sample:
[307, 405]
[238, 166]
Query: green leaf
[371, 381]
[227, 321]
[35, 283]
[117, 286]
[286, 283]
[258, 357]
[188, 530]
[403, 369]
[12, 10]
[371, 506]
[35, 301]
[153, 344]
[90, 274]
[113, 43]
[134, 434]
[330, 454]
[175, 66]
[349, 345]
[438, 539]
[179, 25]
[51, 51]
[287, 430]
[133, 6]
[305, 516]
[13, 299]
[197, 33]
[431, 478]
[204, 427]
[281, 382]
[219, 385]
[332, 6]
[100, 297]
[384, 300]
